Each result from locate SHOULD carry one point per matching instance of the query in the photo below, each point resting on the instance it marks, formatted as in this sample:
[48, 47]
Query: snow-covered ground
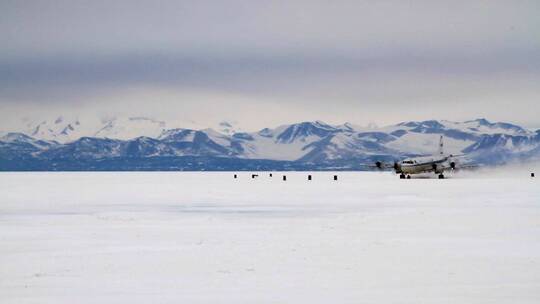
[209, 238]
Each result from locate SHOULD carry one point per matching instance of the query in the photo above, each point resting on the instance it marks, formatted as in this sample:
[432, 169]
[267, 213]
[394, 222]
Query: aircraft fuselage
[422, 164]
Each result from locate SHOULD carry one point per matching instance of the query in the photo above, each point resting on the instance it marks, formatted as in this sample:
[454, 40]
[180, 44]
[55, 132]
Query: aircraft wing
[383, 166]
[459, 167]
[468, 167]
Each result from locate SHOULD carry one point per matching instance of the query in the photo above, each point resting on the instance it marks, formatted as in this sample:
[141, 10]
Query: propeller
[395, 166]
[453, 165]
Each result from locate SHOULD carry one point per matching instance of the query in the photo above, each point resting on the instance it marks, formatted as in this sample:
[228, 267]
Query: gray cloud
[344, 60]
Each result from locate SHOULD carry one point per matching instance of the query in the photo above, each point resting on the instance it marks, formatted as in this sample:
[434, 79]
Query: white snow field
[209, 238]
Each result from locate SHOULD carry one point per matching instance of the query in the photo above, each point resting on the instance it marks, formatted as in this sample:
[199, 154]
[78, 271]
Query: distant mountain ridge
[305, 145]
[65, 129]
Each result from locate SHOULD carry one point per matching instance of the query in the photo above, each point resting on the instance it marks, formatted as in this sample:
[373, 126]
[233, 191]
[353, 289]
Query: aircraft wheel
[408, 177]
[441, 176]
[402, 176]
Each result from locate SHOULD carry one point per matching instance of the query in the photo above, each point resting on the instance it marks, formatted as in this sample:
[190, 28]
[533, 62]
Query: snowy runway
[209, 238]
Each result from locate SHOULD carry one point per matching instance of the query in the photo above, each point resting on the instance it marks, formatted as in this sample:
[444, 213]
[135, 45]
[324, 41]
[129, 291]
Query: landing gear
[408, 177]
[402, 176]
[441, 176]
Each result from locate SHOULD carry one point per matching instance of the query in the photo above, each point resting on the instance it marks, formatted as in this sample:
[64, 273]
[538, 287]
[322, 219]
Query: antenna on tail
[441, 146]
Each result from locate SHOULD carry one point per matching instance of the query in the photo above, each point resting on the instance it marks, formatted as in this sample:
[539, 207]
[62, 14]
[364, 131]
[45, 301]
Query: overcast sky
[264, 63]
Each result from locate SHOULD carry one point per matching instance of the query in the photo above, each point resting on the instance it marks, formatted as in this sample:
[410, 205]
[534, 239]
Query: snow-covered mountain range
[64, 129]
[316, 145]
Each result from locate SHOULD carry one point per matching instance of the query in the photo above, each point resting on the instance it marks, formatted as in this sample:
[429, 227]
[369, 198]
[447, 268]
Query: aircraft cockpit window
[407, 161]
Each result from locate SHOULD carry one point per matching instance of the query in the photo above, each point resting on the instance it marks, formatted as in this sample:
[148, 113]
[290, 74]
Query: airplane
[436, 163]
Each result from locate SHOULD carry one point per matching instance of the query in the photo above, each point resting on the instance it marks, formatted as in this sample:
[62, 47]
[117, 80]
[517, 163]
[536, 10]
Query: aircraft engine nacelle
[437, 169]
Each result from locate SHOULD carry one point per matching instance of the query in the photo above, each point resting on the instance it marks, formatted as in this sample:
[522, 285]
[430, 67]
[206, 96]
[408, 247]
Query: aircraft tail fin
[441, 146]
